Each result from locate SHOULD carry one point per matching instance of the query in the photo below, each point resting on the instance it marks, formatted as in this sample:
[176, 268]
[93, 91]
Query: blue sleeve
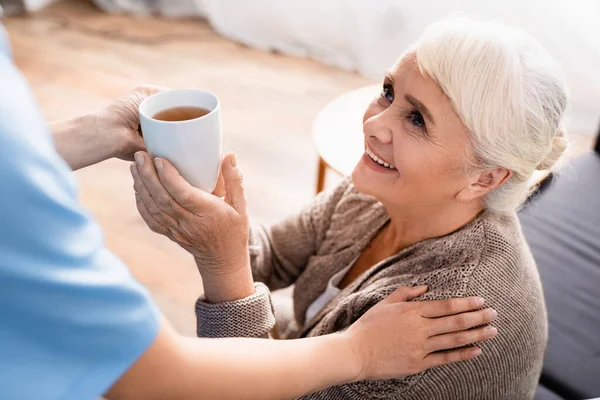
[72, 318]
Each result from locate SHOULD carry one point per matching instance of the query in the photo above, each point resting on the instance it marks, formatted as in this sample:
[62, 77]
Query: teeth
[379, 160]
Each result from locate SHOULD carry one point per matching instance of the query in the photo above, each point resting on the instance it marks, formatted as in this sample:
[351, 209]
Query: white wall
[168, 8]
[368, 36]
[33, 5]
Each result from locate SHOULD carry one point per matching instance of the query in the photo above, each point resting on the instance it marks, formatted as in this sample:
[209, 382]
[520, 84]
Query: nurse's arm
[393, 339]
[111, 132]
[176, 367]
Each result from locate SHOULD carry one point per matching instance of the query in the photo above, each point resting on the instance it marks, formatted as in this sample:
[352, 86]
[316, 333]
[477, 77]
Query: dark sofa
[562, 226]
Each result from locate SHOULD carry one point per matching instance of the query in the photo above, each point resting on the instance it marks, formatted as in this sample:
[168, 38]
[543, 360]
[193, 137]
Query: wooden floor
[77, 59]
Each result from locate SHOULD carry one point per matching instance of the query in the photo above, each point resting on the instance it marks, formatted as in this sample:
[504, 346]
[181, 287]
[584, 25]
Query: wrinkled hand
[119, 121]
[213, 230]
[397, 338]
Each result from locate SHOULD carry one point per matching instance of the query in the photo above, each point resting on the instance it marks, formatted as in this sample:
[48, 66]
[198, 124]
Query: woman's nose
[375, 127]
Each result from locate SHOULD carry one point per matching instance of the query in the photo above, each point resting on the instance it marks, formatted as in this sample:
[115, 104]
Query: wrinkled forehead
[409, 77]
[408, 59]
[406, 70]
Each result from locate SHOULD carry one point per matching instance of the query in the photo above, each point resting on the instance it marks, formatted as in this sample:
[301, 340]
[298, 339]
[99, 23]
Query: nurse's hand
[213, 229]
[111, 132]
[398, 337]
[120, 120]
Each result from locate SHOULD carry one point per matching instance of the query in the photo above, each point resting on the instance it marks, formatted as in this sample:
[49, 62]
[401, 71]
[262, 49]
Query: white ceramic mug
[193, 146]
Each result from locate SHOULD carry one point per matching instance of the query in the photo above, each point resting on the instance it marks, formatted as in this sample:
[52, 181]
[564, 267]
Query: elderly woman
[463, 120]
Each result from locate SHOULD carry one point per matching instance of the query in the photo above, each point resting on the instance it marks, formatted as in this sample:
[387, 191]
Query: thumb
[138, 140]
[405, 293]
[234, 183]
[219, 189]
[131, 143]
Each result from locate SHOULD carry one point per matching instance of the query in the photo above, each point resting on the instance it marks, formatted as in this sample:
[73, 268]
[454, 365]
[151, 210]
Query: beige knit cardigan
[489, 257]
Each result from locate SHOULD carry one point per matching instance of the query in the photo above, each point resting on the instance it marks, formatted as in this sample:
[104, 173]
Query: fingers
[405, 293]
[148, 90]
[140, 93]
[184, 194]
[459, 339]
[461, 322]
[136, 144]
[144, 197]
[452, 356]
[154, 225]
[232, 176]
[162, 198]
[155, 218]
[442, 308]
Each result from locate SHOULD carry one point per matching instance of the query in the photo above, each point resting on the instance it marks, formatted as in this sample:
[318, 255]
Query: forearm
[219, 288]
[176, 367]
[269, 369]
[79, 141]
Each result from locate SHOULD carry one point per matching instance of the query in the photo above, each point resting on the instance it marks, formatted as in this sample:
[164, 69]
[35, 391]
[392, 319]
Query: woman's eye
[416, 119]
[387, 93]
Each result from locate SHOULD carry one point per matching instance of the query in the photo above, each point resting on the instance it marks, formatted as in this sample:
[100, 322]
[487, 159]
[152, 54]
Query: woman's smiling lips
[376, 162]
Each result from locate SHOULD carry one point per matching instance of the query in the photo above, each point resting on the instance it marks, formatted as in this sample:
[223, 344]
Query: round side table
[338, 134]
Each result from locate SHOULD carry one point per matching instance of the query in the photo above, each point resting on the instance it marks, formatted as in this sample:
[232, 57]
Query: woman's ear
[484, 183]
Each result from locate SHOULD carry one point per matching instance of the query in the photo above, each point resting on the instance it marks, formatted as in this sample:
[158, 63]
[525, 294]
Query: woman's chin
[369, 181]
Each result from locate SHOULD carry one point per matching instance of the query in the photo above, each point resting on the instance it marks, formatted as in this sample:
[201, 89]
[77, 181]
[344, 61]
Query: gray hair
[508, 92]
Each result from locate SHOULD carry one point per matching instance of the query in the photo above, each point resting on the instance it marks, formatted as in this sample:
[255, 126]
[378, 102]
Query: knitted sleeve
[279, 253]
[249, 317]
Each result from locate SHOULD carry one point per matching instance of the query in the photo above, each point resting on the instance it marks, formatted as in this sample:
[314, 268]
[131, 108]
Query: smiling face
[416, 146]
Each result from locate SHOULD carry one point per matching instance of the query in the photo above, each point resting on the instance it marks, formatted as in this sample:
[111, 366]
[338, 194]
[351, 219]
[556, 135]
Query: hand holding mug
[118, 123]
[213, 230]
[109, 132]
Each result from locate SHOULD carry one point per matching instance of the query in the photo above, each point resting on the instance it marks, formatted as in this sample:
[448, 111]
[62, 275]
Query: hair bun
[559, 145]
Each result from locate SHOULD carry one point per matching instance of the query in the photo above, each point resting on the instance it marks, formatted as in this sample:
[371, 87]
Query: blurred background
[276, 66]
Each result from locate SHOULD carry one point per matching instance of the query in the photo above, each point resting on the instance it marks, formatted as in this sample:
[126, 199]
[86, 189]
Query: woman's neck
[410, 226]
[407, 228]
